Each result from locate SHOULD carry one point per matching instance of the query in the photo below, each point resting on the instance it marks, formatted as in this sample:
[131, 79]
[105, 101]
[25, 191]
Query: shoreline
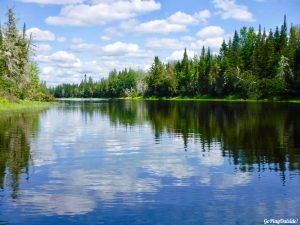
[204, 99]
[211, 99]
[6, 106]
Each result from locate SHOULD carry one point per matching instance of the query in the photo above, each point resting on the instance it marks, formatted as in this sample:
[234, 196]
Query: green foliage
[118, 84]
[19, 78]
[161, 80]
[250, 65]
[271, 87]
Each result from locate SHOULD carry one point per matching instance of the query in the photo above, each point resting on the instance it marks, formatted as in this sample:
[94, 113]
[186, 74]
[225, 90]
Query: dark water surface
[151, 162]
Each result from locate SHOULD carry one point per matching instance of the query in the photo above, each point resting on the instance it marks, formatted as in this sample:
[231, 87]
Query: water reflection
[15, 132]
[264, 134]
[110, 160]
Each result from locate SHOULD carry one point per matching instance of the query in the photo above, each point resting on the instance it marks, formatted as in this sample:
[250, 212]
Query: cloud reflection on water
[87, 159]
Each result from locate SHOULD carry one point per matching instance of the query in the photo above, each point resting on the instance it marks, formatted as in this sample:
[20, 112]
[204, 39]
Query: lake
[150, 162]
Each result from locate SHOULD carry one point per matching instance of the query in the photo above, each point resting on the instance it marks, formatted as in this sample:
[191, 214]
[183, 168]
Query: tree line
[19, 75]
[250, 64]
[118, 84]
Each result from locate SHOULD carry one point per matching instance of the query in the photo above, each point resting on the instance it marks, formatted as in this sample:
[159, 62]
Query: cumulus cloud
[43, 48]
[61, 58]
[40, 35]
[62, 66]
[229, 9]
[61, 39]
[160, 26]
[182, 18]
[210, 32]
[165, 43]
[177, 22]
[178, 55]
[102, 12]
[105, 38]
[110, 33]
[79, 45]
[55, 2]
[118, 49]
[121, 48]
[213, 43]
[71, 71]
[187, 38]
[210, 36]
[203, 15]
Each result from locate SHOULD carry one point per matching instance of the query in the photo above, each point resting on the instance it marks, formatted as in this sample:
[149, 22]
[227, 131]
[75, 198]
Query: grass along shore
[212, 99]
[6, 106]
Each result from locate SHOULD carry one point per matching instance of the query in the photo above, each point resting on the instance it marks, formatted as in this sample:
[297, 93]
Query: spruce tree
[2, 63]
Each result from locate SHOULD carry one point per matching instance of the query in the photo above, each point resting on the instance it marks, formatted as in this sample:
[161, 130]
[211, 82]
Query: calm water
[123, 162]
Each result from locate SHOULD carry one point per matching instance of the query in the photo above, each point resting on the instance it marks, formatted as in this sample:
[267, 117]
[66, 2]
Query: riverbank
[6, 106]
[212, 99]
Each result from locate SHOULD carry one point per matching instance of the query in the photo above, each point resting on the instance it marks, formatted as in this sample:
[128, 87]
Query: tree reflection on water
[15, 132]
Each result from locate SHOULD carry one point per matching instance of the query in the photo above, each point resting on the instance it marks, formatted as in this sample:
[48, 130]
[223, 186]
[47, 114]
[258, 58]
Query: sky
[77, 37]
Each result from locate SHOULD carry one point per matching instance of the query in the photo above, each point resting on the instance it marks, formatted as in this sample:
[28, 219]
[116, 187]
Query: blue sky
[77, 37]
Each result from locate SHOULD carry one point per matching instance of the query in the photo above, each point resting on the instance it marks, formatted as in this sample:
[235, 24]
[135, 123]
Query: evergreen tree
[183, 75]
[2, 62]
[18, 76]
[249, 65]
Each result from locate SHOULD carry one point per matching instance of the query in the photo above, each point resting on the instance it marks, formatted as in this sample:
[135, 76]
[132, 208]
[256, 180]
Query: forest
[19, 75]
[250, 65]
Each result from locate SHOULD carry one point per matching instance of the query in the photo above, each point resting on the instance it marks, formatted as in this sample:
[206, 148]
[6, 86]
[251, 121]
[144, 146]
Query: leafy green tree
[284, 70]
[249, 65]
[18, 75]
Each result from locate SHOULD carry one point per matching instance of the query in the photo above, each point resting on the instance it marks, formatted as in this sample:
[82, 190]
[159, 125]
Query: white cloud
[121, 49]
[59, 57]
[160, 26]
[61, 39]
[213, 43]
[116, 49]
[105, 38]
[210, 32]
[110, 33]
[182, 18]
[55, 2]
[177, 22]
[102, 12]
[203, 15]
[228, 9]
[78, 45]
[210, 36]
[165, 43]
[178, 55]
[187, 38]
[43, 48]
[63, 66]
[40, 35]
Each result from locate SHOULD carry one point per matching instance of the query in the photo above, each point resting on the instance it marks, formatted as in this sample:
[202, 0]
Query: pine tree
[292, 47]
[271, 59]
[183, 74]
[2, 63]
[15, 56]
[283, 37]
[1, 37]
